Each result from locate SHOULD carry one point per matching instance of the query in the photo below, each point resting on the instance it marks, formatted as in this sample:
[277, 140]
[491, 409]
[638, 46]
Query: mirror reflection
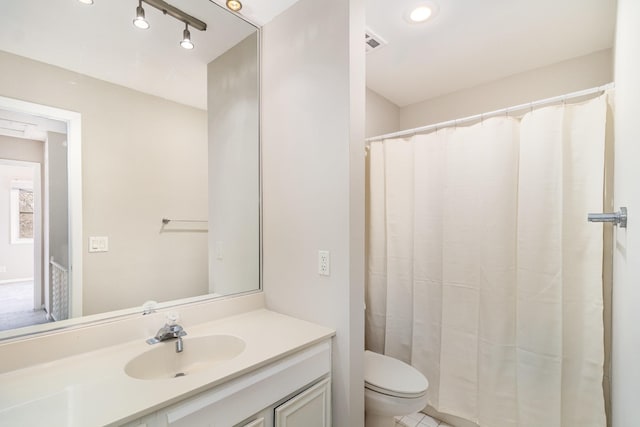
[130, 164]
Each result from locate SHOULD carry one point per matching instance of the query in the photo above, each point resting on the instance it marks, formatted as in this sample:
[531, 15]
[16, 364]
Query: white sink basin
[200, 353]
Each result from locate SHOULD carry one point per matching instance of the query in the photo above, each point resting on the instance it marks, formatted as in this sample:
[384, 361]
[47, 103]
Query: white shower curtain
[483, 271]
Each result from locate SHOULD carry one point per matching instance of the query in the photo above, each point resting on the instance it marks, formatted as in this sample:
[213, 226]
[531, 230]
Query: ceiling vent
[373, 41]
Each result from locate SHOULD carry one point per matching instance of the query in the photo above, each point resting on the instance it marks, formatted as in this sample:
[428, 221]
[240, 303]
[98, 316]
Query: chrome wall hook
[617, 218]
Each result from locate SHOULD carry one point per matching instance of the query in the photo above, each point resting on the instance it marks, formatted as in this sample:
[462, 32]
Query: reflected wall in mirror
[166, 133]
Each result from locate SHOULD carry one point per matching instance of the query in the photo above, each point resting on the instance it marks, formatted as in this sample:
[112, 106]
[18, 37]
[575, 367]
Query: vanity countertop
[92, 389]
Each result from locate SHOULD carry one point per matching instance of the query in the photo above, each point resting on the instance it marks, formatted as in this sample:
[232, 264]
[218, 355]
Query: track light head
[186, 43]
[140, 21]
[186, 39]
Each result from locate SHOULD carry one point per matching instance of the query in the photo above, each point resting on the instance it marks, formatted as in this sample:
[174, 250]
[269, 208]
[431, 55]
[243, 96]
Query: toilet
[391, 388]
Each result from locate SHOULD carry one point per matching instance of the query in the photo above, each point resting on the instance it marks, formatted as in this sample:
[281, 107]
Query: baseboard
[6, 282]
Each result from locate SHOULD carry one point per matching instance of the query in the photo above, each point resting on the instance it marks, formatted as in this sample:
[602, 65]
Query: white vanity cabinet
[290, 392]
[311, 408]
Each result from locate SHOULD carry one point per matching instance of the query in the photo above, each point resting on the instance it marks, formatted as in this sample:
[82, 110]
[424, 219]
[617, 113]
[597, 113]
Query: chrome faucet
[169, 331]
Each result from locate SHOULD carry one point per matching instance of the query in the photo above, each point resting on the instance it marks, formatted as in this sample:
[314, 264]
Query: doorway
[21, 237]
[37, 138]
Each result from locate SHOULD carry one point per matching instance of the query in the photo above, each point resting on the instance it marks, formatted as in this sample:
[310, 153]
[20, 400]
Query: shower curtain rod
[507, 111]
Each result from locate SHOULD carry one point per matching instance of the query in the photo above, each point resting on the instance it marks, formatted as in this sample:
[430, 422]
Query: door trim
[74, 162]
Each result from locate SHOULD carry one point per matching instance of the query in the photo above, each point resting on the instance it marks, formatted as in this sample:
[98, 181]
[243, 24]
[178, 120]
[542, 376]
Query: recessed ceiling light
[86, 1]
[234, 5]
[421, 12]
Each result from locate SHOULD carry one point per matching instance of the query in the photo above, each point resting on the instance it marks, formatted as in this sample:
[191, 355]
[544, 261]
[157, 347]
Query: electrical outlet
[324, 263]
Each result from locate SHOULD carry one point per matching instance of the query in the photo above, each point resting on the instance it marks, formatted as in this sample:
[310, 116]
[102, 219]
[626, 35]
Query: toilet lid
[393, 377]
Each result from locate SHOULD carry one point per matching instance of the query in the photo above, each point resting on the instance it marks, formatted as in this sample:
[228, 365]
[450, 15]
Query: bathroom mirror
[159, 191]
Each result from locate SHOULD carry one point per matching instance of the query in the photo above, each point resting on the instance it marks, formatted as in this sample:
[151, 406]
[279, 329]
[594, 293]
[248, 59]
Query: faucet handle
[172, 318]
[149, 307]
[172, 325]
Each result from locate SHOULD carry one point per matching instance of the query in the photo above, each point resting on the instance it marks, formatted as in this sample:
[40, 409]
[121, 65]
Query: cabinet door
[256, 423]
[311, 408]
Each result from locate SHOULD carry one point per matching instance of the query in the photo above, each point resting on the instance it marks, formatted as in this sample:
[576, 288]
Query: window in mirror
[22, 212]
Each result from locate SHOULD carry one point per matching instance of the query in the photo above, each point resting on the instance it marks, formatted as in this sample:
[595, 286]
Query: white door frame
[74, 173]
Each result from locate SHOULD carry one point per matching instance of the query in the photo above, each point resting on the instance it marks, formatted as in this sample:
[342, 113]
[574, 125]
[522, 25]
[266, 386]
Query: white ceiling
[469, 42]
[261, 11]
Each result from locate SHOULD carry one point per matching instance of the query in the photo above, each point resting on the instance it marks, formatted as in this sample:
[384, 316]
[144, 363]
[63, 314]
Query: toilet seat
[392, 377]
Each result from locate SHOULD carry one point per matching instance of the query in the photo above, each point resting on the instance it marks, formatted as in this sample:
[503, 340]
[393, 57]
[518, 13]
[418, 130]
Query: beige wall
[558, 79]
[625, 374]
[144, 158]
[234, 182]
[21, 149]
[382, 116]
[313, 180]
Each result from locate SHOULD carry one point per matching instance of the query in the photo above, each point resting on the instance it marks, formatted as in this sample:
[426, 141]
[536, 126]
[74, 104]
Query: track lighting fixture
[174, 12]
[140, 21]
[186, 38]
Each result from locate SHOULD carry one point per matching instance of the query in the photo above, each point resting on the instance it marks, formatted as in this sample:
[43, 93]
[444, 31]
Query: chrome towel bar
[166, 221]
[617, 218]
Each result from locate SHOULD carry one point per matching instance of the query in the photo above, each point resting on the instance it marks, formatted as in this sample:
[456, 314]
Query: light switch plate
[98, 244]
